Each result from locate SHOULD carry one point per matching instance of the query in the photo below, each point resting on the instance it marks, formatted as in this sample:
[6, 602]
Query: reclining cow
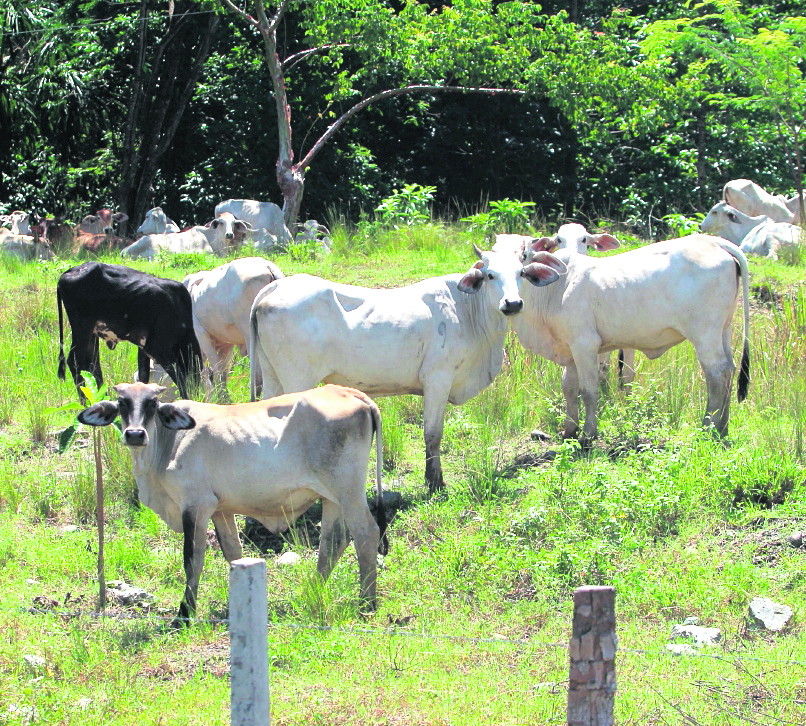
[754, 235]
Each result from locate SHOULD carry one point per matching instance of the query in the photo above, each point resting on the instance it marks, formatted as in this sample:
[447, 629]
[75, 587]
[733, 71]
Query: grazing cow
[115, 303]
[222, 300]
[265, 219]
[576, 238]
[157, 222]
[217, 237]
[17, 222]
[270, 460]
[649, 299]
[23, 247]
[754, 235]
[753, 200]
[442, 338]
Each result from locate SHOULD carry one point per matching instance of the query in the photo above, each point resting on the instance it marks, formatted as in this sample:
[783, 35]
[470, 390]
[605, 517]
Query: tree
[468, 47]
[761, 62]
[163, 85]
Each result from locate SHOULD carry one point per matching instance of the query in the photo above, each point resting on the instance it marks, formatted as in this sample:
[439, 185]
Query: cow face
[139, 410]
[573, 237]
[728, 222]
[500, 273]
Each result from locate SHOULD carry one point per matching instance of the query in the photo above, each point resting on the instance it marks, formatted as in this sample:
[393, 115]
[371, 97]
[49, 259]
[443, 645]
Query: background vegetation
[633, 111]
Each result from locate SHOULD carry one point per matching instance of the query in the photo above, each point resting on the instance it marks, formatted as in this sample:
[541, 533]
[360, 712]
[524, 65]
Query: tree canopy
[584, 109]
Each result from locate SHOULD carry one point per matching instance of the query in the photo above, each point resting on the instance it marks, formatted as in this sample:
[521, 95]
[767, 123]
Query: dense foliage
[634, 111]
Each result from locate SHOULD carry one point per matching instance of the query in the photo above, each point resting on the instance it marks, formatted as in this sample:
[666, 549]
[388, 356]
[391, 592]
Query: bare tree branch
[304, 163]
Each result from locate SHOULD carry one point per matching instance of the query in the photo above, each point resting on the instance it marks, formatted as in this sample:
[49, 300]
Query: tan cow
[270, 460]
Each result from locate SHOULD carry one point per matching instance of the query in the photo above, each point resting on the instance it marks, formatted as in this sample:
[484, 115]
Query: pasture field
[478, 582]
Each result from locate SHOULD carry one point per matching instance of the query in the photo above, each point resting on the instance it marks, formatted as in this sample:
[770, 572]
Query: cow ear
[173, 417]
[102, 413]
[473, 279]
[547, 244]
[545, 269]
[604, 242]
[120, 217]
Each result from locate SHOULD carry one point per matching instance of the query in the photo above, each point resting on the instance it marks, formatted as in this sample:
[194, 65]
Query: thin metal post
[99, 516]
[592, 650]
[249, 648]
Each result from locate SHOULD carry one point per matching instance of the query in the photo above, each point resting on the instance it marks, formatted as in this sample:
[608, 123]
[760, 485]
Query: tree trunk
[160, 98]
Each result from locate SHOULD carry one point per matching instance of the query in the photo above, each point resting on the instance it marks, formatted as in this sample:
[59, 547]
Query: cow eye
[489, 275]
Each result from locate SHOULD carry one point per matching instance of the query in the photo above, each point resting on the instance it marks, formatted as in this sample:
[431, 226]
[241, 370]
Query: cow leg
[227, 533]
[333, 538]
[626, 373]
[584, 352]
[143, 366]
[435, 399]
[570, 387]
[366, 538]
[222, 368]
[194, 545]
[718, 370]
[84, 358]
[209, 350]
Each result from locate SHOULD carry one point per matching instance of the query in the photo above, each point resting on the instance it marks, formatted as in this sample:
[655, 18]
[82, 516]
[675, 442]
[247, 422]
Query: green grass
[679, 523]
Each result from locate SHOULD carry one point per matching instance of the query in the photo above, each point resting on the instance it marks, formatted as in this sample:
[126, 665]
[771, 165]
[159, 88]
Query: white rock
[128, 594]
[764, 613]
[288, 558]
[700, 635]
[34, 661]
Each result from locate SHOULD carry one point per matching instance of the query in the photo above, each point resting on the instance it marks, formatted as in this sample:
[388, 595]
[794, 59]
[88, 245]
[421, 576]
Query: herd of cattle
[236, 222]
[441, 338]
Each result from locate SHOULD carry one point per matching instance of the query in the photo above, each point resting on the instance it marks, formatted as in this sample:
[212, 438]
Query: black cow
[115, 303]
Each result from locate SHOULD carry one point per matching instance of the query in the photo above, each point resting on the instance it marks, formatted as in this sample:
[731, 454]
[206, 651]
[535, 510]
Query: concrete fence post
[592, 650]
[249, 649]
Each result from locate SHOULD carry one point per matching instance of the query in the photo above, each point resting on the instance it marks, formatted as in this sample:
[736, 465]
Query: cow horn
[477, 251]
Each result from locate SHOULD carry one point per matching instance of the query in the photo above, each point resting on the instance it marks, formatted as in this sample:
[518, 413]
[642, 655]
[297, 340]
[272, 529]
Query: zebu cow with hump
[753, 200]
[270, 460]
[442, 338]
[649, 299]
[217, 237]
[114, 303]
[265, 219]
[575, 238]
[757, 235]
[222, 300]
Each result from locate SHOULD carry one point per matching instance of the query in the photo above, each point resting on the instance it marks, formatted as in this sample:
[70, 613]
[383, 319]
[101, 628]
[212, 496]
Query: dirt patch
[210, 659]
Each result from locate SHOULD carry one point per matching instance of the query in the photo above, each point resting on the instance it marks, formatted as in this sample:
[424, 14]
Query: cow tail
[380, 511]
[744, 366]
[61, 370]
[254, 354]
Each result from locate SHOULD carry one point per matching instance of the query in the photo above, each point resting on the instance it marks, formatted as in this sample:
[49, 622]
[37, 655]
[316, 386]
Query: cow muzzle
[135, 437]
[511, 307]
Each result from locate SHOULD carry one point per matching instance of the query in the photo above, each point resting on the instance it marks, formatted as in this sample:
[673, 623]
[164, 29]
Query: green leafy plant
[93, 394]
[681, 225]
[406, 206]
[505, 216]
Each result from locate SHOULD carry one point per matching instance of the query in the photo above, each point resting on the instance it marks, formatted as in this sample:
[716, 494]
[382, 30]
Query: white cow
[753, 200]
[222, 300]
[442, 338]
[754, 235]
[265, 218]
[216, 237]
[157, 222]
[575, 238]
[649, 299]
[23, 247]
[270, 460]
[18, 222]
